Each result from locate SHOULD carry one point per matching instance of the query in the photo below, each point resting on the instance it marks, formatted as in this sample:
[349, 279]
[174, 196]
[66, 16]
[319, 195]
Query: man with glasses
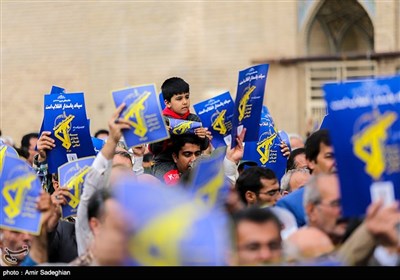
[323, 209]
[322, 206]
[258, 186]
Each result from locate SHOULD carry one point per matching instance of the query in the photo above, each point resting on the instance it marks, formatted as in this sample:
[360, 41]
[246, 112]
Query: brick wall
[99, 47]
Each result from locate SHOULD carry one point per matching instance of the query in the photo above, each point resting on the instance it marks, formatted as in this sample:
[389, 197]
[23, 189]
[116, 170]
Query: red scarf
[169, 113]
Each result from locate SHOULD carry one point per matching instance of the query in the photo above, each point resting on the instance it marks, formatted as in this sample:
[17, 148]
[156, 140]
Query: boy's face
[179, 103]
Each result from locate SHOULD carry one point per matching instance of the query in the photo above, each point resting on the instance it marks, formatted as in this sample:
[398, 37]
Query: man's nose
[193, 158]
[264, 254]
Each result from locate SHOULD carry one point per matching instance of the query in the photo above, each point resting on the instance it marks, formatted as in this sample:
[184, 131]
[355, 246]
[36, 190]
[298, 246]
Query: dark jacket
[62, 243]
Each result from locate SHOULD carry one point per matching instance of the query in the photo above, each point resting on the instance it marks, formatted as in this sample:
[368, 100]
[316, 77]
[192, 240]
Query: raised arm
[98, 178]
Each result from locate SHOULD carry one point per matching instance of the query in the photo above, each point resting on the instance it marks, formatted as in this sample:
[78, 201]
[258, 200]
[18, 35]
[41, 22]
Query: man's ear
[251, 197]
[309, 209]
[167, 103]
[310, 164]
[285, 193]
[94, 225]
[174, 157]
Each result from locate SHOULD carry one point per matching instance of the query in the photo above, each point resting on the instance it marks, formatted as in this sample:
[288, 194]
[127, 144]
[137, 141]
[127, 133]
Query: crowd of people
[293, 220]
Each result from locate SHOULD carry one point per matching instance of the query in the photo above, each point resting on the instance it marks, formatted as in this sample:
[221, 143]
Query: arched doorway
[339, 27]
[338, 32]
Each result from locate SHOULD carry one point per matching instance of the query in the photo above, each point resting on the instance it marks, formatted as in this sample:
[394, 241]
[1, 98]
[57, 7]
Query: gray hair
[285, 180]
[295, 135]
[285, 186]
[312, 194]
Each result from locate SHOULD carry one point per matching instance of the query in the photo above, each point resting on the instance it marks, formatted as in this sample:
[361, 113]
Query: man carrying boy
[177, 103]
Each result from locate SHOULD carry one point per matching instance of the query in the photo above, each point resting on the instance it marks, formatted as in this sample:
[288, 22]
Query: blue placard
[65, 117]
[365, 131]
[285, 138]
[178, 127]
[97, 144]
[216, 114]
[54, 90]
[169, 228]
[57, 90]
[7, 150]
[71, 175]
[266, 152]
[20, 189]
[161, 99]
[144, 114]
[325, 121]
[211, 189]
[249, 101]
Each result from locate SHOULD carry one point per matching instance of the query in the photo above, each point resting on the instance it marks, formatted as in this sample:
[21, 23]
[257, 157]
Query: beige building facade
[99, 46]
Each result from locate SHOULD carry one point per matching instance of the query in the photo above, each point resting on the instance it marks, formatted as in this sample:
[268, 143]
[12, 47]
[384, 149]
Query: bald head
[299, 178]
[307, 243]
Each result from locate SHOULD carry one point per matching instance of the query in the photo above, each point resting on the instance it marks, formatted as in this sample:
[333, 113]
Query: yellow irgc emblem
[211, 189]
[373, 138]
[74, 183]
[264, 146]
[19, 186]
[63, 128]
[182, 128]
[243, 102]
[172, 228]
[219, 123]
[135, 110]
[2, 156]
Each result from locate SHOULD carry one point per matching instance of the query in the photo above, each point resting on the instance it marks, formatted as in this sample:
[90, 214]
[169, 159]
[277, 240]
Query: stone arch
[337, 27]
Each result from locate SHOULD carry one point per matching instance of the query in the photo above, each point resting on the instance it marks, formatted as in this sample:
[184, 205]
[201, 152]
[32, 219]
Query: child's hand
[201, 132]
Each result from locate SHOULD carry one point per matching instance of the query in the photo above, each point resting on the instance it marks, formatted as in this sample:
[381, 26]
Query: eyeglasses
[333, 204]
[271, 192]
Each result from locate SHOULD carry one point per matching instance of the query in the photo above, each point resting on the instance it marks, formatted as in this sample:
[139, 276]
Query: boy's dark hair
[313, 142]
[101, 131]
[96, 203]
[26, 138]
[173, 86]
[250, 180]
